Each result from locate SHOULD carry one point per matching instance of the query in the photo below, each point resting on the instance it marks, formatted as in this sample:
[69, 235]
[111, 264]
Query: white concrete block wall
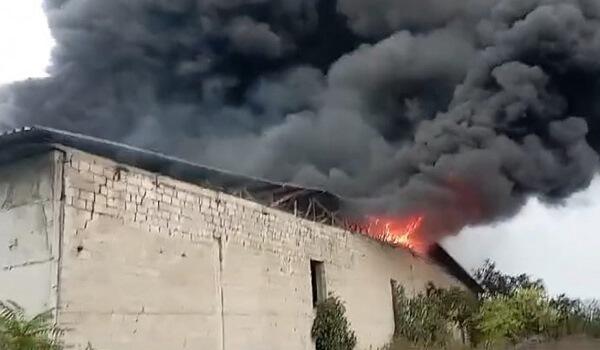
[148, 262]
[140, 249]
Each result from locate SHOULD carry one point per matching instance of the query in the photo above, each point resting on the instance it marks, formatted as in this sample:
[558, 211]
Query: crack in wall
[222, 293]
[27, 263]
[39, 202]
[45, 226]
[90, 217]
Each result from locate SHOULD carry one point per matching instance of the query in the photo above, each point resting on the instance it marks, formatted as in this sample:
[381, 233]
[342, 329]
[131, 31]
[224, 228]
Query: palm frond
[8, 311]
[19, 332]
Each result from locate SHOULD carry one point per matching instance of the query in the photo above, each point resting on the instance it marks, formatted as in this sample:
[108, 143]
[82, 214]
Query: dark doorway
[317, 279]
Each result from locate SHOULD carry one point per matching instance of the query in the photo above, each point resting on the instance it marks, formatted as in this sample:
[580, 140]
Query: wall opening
[395, 289]
[317, 279]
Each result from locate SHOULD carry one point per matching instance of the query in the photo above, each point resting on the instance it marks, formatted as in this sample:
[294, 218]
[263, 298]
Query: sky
[558, 244]
[25, 40]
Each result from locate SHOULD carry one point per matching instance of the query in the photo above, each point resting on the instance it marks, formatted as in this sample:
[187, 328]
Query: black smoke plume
[458, 110]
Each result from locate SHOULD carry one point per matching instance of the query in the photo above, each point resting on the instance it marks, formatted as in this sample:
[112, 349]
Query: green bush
[493, 320]
[420, 319]
[457, 305]
[17, 332]
[562, 315]
[428, 318]
[591, 319]
[331, 330]
[512, 318]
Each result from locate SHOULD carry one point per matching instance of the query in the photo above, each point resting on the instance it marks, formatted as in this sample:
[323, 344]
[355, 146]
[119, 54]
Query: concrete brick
[87, 195]
[109, 172]
[99, 179]
[79, 203]
[105, 210]
[97, 169]
[166, 198]
[71, 192]
[119, 185]
[100, 199]
[83, 166]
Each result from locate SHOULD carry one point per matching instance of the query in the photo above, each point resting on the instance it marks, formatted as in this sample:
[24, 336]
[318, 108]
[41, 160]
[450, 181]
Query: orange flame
[397, 232]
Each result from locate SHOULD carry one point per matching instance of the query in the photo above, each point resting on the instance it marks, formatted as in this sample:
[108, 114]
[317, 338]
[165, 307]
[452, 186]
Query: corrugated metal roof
[30, 137]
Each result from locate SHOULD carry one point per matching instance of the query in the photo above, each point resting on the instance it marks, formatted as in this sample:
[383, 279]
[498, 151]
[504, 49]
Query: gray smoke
[458, 110]
[378, 18]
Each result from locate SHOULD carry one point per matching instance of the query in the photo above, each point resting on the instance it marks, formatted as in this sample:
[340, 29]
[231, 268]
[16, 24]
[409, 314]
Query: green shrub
[17, 332]
[495, 320]
[428, 318]
[513, 318]
[331, 330]
[457, 305]
[420, 319]
[592, 329]
[591, 319]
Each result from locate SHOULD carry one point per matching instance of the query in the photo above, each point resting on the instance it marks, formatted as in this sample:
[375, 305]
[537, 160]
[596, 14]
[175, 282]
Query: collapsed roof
[313, 204]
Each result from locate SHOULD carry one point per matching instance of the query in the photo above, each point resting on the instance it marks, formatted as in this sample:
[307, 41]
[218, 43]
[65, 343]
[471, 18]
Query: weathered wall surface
[29, 232]
[154, 263]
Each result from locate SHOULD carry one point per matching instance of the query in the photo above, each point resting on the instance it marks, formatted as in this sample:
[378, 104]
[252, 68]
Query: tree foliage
[591, 319]
[571, 313]
[511, 310]
[516, 317]
[494, 282]
[18, 332]
[420, 319]
[429, 318]
[456, 305]
[331, 330]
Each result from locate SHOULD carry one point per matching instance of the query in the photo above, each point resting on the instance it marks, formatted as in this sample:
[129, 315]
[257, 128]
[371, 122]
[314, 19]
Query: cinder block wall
[149, 262]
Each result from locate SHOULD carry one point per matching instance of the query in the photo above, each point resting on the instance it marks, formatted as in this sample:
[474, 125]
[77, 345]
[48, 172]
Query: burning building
[137, 250]
[433, 115]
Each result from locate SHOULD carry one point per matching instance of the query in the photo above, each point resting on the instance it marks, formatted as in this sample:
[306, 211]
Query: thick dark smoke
[458, 110]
